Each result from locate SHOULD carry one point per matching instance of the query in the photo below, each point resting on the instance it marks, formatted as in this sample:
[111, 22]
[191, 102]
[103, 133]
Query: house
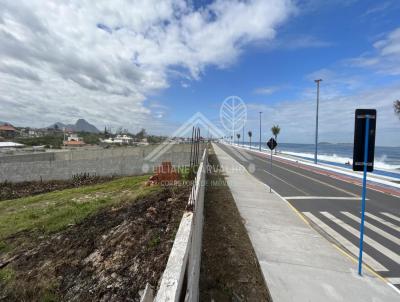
[143, 142]
[8, 131]
[31, 132]
[119, 140]
[73, 140]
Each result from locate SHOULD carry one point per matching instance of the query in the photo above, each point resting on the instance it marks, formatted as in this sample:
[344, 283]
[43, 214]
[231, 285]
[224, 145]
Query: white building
[119, 139]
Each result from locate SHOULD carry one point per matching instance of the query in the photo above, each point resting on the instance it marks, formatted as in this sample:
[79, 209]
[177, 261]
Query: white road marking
[319, 181]
[376, 245]
[383, 221]
[346, 243]
[391, 216]
[374, 228]
[323, 197]
[394, 280]
[284, 181]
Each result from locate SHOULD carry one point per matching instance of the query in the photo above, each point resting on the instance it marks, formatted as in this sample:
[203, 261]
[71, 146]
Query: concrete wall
[185, 257]
[103, 162]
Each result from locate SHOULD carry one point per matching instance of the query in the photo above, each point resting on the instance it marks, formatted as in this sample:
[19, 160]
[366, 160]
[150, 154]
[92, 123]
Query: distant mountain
[81, 125]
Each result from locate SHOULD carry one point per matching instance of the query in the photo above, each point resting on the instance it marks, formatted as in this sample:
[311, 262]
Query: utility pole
[260, 131]
[316, 124]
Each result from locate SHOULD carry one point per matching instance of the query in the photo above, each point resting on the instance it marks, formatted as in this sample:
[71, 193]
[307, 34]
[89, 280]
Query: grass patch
[187, 173]
[155, 241]
[51, 212]
[6, 275]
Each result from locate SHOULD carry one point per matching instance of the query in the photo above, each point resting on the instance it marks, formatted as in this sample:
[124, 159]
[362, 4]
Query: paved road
[332, 203]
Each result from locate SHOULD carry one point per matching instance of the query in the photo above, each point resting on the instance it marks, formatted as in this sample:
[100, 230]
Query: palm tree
[396, 106]
[238, 137]
[250, 134]
[275, 131]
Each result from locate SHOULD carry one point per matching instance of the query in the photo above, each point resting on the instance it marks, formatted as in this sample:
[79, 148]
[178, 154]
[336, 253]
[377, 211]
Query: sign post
[271, 145]
[363, 159]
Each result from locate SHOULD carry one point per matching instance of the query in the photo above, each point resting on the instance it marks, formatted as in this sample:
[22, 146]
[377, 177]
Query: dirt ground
[229, 268]
[109, 256]
[10, 190]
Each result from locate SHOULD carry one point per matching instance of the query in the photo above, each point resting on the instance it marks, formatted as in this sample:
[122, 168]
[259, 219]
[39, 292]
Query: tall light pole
[260, 131]
[316, 124]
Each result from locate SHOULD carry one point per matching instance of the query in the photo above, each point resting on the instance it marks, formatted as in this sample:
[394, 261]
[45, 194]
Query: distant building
[31, 132]
[119, 140]
[143, 142]
[73, 140]
[8, 131]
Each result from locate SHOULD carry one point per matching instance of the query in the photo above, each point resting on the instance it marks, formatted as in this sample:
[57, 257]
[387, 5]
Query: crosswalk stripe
[374, 228]
[383, 221]
[376, 245]
[346, 243]
[393, 280]
[391, 216]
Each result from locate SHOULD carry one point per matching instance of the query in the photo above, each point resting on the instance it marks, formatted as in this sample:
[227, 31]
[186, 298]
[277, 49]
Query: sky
[153, 64]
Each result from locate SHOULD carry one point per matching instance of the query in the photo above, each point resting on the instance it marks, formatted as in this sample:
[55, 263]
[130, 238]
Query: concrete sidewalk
[298, 264]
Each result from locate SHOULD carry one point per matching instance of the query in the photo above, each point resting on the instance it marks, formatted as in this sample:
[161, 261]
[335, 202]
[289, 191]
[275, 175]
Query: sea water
[386, 158]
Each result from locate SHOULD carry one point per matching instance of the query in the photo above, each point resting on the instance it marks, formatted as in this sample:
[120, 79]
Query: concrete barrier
[101, 162]
[180, 280]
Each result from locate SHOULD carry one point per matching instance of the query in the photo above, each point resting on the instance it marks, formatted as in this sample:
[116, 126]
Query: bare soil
[9, 190]
[229, 267]
[109, 256]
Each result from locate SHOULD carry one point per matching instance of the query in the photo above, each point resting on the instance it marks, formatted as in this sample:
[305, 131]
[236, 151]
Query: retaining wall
[103, 162]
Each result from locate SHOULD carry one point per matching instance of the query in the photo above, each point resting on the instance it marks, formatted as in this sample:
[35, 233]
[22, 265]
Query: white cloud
[386, 55]
[101, 59]
[336, 118]
[266, 90]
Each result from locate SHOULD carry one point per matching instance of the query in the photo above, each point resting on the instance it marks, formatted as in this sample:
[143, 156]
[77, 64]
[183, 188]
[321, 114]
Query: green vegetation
[275, 131]
[250, 135]
[55, 141]
[155, 241]
[154, 139]
[91, 138]
[187, 173]
[51, 212]
[6, 275]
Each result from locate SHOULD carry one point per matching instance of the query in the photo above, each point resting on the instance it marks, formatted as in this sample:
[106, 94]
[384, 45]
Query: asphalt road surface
[332, 203]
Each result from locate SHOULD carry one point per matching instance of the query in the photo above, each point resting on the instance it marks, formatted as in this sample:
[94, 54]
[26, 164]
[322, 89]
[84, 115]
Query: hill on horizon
[81, 125]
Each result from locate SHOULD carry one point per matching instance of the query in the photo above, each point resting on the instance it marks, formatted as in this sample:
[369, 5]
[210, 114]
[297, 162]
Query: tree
[141, 134]
[238, 137]
[396, 106]
[275, 131]
[250, 134]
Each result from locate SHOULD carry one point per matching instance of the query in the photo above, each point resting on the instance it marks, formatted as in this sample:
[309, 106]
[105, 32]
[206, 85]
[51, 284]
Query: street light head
[319, 80]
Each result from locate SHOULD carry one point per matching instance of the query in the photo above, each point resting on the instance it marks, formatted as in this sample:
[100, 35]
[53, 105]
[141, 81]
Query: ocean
[386, 158]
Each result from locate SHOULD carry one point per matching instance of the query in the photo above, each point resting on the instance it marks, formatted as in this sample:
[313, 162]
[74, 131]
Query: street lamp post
[260, 131]
[316, 124]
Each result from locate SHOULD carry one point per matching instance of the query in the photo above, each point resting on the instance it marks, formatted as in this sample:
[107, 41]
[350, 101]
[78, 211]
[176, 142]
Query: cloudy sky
[154, 63]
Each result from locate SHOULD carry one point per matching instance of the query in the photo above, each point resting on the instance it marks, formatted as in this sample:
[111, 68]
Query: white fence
[180, 281]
